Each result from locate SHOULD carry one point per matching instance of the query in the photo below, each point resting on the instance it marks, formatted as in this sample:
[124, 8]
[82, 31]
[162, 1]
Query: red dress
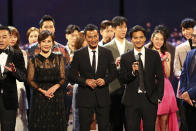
[168, 105]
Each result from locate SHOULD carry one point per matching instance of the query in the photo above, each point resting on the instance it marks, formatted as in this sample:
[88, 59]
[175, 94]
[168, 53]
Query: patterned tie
[94, 61]
[141, 88]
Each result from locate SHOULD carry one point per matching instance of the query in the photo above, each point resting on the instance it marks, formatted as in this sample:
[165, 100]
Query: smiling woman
[46, 75]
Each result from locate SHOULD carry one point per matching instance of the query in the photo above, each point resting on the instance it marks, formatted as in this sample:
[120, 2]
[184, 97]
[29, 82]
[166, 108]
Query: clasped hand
[50, 92]
[94, 83]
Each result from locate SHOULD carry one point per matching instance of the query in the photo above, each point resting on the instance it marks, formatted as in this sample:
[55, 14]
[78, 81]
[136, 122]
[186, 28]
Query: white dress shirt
[121, 46]
[91, 56]
[3, 59]
[142, 56]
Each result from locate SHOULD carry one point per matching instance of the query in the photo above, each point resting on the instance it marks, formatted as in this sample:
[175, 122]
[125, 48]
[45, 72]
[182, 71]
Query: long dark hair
[15, 32]
[163, 47]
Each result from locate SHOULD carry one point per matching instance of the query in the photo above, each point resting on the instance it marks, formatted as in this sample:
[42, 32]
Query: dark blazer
[8, 79]
[80, 70]
[153, 77]
[188, 78]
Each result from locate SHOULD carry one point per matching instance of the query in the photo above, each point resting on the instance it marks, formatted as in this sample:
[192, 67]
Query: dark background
[26, 13]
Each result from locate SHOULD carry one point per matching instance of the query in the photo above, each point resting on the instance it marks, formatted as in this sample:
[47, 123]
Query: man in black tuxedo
[93, 68]
[12, 67]
[142, 73]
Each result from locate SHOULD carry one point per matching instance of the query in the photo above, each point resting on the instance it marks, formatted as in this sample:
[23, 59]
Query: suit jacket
[153, 77]
[187, 80]
[80, 70]
[8, 79]
[115, 86]
[180, 55]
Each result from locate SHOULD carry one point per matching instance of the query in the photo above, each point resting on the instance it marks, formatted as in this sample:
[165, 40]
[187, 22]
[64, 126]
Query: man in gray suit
[119, 45]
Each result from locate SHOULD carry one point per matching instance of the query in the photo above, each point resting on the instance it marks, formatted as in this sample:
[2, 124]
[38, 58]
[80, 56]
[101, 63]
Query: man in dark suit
[93, 68]
[142, 73]
[188, 86]
[12, 68]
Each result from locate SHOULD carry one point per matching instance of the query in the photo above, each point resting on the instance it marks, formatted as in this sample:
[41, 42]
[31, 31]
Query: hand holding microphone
[135, 65]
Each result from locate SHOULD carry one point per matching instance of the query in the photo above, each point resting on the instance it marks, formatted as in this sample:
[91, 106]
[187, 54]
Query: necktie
[94, 61]
[141, 88]
[4, 51]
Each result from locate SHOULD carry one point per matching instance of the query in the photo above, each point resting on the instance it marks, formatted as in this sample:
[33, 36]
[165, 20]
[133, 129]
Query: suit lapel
[99, 59]
[190, 64]
[127, 46]
[87, 57]
[146, 65]
[115, 49]
[187, 47]
[9, 58]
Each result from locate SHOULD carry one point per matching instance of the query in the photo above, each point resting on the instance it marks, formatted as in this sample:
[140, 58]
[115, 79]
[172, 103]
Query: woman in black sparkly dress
[46, 75]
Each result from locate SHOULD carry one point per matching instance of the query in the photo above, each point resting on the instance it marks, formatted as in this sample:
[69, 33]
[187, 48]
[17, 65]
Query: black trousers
[102, 117]
[117, 118]
[7, 117]
[190, 114]
[142, 109]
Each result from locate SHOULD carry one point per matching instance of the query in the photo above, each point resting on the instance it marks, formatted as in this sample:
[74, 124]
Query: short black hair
[90, 27]
[45, 18]
[188, 23]
[137, 28]
[5, 28]
[45, 34]
[71, 28]
[164, 29]
[118, 20]
[105, 23]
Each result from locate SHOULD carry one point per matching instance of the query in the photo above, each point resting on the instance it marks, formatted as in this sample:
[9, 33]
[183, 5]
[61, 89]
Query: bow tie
[4, 51]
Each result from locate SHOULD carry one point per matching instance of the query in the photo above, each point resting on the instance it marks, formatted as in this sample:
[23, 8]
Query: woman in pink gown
[166, 114]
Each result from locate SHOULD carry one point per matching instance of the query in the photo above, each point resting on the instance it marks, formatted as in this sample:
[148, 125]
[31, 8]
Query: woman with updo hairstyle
[167, 108]
[46, 75]
[21, 116]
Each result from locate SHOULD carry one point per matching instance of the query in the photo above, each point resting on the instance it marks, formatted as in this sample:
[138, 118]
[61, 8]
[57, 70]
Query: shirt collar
[119, 43]
[142, 51]
[90, 50]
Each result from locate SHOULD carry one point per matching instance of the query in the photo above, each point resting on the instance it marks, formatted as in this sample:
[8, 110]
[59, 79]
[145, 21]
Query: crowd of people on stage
[114, 82]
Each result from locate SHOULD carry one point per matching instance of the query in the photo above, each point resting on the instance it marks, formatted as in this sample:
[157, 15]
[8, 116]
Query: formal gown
[47, 114]
[168, 105]
[21, 116]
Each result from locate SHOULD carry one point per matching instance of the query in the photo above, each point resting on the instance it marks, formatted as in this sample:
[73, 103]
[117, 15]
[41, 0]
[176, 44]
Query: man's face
[107, 33]
[48, 25]
[4, 39]
[194, 37]
[71, 38]
[187, 32]
[138, 39]
[121, 31]
[92, 38]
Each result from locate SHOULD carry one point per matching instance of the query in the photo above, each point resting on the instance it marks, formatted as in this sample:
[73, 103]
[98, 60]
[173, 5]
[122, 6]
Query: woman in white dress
[21, 116]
